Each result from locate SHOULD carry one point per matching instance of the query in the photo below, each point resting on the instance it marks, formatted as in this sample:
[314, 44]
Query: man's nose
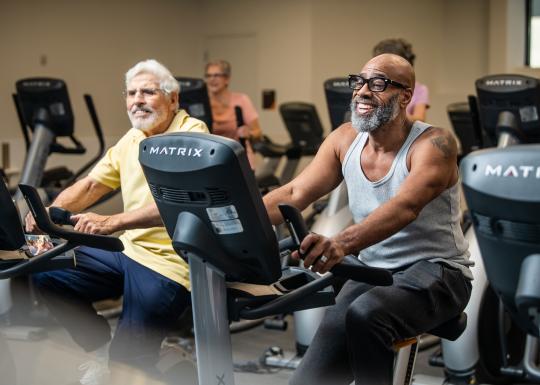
[363, 93]
[364, 90]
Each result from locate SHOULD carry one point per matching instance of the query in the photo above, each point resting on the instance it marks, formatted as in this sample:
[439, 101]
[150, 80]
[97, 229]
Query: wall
[448, 37]
[299, 44]
[283, 30]
[90, 44]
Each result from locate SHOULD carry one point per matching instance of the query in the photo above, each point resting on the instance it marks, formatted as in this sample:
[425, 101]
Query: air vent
[217, 196]
[185, 197]
[212, 196]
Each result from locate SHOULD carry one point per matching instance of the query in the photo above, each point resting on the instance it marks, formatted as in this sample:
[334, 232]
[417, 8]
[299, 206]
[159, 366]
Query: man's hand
[320, 252]
[30, 224]
[92, 223]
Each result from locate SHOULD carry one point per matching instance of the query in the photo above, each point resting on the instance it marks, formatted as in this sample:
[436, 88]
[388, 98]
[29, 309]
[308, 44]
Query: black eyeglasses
[375, 84]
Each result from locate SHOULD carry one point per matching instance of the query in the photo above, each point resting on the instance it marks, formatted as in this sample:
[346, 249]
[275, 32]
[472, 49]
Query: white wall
[90, 44]
[299, 44]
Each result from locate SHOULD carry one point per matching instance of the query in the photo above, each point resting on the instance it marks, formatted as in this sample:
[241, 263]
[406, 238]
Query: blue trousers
[151, 304]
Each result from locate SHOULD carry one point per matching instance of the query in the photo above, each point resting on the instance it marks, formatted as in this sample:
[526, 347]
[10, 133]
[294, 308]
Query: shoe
[95, 373]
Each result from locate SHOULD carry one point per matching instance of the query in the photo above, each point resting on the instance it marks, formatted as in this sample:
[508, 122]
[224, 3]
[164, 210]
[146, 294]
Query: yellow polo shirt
[120, 167]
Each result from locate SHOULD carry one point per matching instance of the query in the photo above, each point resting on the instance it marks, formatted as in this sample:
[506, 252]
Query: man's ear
[174, 101]
[406, 96]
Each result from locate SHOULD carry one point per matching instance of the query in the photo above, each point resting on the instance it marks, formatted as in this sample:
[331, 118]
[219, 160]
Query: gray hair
[224, 65]
[167, 82]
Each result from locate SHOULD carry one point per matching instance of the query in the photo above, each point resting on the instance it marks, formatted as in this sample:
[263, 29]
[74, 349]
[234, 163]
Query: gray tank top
[436, 233]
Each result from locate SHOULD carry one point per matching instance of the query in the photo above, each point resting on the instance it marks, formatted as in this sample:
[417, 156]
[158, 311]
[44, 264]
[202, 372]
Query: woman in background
[223, 103]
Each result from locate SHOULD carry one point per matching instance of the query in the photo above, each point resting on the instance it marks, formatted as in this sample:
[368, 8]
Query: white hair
[167, 82]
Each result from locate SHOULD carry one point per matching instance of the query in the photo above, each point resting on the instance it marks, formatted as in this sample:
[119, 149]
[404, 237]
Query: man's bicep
[432, 171]
[322, 174]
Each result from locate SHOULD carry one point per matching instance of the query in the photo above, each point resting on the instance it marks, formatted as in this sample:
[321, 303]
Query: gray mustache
[141, 108]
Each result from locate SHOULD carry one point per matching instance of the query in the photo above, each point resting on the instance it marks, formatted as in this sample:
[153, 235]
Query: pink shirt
[224, 119]
[420, 96]
[224, 116]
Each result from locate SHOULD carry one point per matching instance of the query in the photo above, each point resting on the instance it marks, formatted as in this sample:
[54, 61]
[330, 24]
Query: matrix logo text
[178, 151]
[513, 171]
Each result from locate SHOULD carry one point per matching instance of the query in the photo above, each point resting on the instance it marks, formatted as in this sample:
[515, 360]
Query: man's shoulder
[128, 137]
[341, 138]
[183, 122]
[433, 132]
[435, 138]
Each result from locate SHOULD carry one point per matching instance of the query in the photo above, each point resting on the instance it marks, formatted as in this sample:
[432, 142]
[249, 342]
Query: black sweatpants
[354, 340]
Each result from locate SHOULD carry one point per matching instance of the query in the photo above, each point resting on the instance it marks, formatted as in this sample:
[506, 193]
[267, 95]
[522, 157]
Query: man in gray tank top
[402, 179]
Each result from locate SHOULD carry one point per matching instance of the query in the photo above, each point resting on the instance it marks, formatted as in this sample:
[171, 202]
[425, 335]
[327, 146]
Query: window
[533, 33]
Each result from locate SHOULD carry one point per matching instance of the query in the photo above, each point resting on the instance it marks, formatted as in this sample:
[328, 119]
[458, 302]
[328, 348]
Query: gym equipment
[332, 216]
[408, 349]
[464, 119]
[194, 99]
[338, 99]
[17, 261]
[336, 216]
[213, 211]
[45, 114]
[305, 129]
[502, 188]
[328, 218]
[508, 112]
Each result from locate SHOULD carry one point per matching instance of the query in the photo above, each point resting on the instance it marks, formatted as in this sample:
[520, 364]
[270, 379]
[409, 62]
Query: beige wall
[299, 44]
[449, 39]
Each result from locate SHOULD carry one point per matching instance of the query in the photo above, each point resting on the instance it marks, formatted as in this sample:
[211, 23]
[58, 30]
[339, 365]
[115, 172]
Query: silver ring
[324, 259]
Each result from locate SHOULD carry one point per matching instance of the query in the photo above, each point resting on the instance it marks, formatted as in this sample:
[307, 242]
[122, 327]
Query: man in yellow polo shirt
[152, 278]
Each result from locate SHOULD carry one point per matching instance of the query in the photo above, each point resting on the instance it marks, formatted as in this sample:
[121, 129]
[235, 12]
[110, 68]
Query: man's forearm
[144, 217]
[81, 195]
[382, 223]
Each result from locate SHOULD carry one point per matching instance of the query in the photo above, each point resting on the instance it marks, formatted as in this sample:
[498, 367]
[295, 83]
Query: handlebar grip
[295, 222]
[75, 238]
[60, 216]
[239, 116]
[350, 267]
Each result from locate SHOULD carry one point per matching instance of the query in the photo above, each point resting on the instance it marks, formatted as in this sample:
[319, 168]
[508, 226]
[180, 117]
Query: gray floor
[55, 360]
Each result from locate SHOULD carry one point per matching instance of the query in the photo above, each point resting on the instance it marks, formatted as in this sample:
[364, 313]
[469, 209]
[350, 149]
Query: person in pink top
[417, 108]
[223, 103]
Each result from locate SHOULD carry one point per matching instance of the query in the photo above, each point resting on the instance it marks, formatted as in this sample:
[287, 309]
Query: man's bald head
[393, 67]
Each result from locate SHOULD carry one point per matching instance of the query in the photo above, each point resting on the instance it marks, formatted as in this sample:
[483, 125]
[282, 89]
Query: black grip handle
[239, 116]
[240, 123]
[60, 216]
[295, 222]
[350, 267]
[75, 238]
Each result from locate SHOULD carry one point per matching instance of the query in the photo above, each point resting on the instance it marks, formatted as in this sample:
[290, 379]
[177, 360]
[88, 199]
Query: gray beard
[380, 116]
[144, 123]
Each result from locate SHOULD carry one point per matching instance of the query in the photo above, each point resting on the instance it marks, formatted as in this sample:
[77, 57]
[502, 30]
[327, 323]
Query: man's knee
[365, 319]
[43, 280]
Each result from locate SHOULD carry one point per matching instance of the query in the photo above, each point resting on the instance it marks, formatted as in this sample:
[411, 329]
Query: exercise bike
[17, 260]
[507, 109]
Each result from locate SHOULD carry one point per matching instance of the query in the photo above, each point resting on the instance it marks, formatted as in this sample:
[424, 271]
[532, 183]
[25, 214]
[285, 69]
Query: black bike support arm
[43, 221]
[27, 265]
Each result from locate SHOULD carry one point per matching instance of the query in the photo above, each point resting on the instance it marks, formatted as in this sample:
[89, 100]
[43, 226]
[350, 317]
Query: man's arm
[320, 177]
[433, 169]
[75, 198]
[92, 223]
[81, 195]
